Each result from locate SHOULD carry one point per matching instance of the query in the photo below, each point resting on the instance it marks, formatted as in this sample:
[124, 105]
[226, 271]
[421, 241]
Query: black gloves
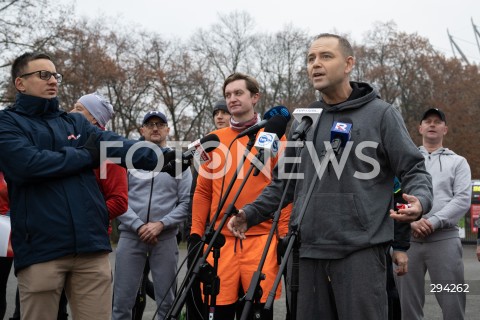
[170, 167]
[92, 147]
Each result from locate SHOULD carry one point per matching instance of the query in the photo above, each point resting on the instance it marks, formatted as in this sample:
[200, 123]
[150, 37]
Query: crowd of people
[361, 233]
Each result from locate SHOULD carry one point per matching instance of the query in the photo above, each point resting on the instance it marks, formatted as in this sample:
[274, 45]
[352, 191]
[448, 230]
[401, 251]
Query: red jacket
[114, 189]
[4, 205]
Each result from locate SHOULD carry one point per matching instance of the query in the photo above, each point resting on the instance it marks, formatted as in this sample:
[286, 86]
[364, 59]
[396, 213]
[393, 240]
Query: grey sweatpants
[131, 255]
[358, 282]
[443, 260]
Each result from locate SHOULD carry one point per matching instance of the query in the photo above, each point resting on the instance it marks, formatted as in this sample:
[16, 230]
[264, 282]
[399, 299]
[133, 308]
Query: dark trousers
[5, 266]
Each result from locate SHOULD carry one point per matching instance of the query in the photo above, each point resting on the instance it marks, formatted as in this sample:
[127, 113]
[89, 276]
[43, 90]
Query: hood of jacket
[441, 154]
[36, 106]
[361, 94]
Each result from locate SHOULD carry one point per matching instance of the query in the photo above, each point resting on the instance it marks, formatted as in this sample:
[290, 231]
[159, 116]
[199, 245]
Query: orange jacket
[209, 186]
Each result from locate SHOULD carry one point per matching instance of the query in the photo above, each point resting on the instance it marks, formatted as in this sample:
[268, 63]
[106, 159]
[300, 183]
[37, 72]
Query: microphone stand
[254, 291]
[293, 243]
[210, 237]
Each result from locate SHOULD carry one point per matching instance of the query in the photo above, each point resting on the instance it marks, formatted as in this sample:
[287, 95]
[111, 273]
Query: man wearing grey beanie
[99, 110]
[114, 186]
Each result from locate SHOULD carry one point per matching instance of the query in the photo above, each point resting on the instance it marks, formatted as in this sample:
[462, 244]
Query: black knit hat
[220, 105]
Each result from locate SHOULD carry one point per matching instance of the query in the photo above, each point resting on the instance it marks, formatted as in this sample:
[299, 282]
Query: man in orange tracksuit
[238, 259]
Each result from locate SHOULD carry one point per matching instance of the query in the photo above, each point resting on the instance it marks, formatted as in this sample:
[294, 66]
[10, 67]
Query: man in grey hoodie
[347, 225]
[157, 204]
[435, 243]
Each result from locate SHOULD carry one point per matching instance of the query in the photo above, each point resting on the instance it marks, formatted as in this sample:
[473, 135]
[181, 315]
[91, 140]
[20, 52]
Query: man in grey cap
[435, 242]
[221, 115]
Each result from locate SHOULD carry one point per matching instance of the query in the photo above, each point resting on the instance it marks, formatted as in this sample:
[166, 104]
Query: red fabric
[4, 208]
[114, 189]
[4, 204]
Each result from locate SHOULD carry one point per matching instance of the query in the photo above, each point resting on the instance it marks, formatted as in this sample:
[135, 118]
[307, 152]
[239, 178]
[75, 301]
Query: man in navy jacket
[59, 217]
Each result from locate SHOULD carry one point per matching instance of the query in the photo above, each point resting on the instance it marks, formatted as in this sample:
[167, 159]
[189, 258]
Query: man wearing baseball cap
[434, 111]
[435, 242]
[157, 204]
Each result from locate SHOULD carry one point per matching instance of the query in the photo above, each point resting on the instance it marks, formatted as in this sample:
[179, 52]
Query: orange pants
[237, 263]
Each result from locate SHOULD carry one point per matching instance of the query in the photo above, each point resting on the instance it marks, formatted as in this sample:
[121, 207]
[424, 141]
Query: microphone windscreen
[277, 124]
[210, 142]
[278, 110]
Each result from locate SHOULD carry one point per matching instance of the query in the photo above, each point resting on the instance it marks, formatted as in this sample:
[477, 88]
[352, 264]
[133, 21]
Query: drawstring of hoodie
[440, 159]
[235, 246]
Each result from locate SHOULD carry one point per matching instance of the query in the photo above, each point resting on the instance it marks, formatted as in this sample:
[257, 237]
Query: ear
[255, 98]
[446, 130]
[19, 85]
[420, 129]
[349, 63]
[142, 131]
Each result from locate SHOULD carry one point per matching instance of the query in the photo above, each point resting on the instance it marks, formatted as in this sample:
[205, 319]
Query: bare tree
[181, 85]
[394, 62]
[23, 27]
[227, 44]
[281, 61]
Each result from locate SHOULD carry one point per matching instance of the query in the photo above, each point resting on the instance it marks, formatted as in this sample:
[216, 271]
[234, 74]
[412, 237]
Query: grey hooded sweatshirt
[350, 203]
[155, 196]
[452, 192]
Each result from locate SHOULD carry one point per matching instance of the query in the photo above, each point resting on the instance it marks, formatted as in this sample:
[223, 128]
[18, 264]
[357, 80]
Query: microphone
[199, 147]
[306, 117]
[268, 140]
[278, 110]
[340, 134]
[202, 147]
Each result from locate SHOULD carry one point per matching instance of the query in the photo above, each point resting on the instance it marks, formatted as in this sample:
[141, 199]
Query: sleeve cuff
[435, 221]
[254, 217]
[136, 225]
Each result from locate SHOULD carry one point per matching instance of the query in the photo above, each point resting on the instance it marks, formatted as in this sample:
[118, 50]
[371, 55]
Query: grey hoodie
[452, 192]
[350, 211]
[166, 197]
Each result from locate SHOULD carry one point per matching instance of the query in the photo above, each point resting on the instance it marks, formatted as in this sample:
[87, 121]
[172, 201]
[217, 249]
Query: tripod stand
[293, 243]
[199, 262]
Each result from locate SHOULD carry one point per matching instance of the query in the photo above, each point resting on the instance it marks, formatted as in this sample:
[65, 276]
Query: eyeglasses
[45, 75]
[151, 125]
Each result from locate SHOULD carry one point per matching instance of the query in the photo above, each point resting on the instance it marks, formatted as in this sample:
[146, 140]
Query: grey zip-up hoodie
[452, 192]
[156, 196]
[349, 207]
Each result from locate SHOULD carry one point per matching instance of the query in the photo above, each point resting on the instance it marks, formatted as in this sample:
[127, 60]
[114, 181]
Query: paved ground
[432, 311]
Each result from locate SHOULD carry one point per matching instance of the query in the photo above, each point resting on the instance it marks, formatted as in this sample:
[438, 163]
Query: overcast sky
[428, 18]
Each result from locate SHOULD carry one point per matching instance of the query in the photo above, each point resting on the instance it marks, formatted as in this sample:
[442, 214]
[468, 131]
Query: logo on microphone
[265, 138]
[267, 141]
[342, 126]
